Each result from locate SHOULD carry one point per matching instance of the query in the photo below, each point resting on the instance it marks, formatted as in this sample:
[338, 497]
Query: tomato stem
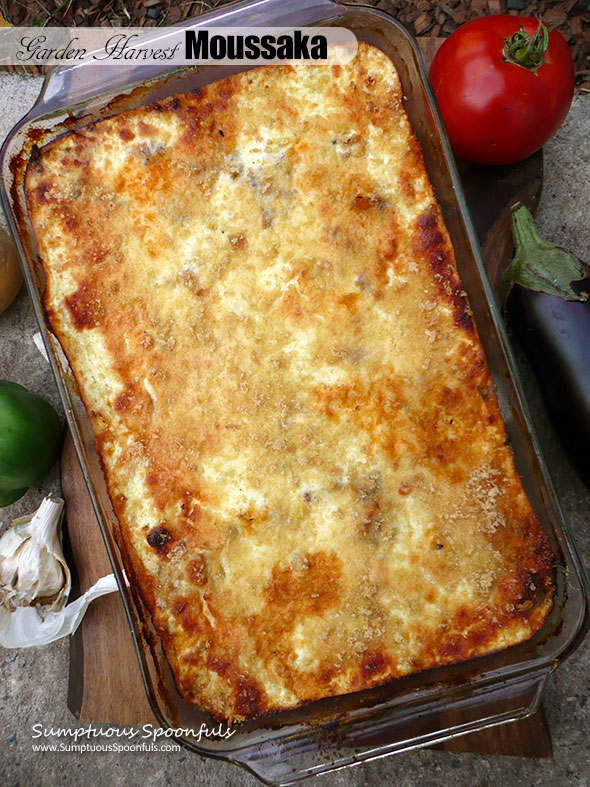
[527, 50]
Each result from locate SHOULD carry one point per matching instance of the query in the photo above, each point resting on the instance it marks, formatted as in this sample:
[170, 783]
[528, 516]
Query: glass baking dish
[410, 712]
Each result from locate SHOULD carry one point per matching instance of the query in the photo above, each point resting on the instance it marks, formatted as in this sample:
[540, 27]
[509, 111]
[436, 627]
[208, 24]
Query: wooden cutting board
[105, 684]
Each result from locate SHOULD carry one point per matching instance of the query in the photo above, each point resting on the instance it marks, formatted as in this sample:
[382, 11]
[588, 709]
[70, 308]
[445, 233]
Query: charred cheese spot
[259, 300]
[307, 588]
[367, 202]
[85, 307]
[374, 664]
[126, 134]
[248, 700]
[431, 242]
[178, 606]
[43, 191]
[220, 666]
[197, 570]
[159, 539]
[131, 400]
[237, 241]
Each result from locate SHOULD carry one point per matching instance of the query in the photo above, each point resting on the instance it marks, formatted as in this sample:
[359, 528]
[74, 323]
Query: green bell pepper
[30, 436]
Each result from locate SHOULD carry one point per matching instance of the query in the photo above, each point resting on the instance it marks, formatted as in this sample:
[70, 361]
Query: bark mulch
[424, 18]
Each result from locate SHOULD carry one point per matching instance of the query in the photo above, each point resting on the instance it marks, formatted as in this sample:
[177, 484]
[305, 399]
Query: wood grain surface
[105, 684]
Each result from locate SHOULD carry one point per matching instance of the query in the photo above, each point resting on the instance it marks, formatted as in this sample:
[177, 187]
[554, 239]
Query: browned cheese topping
[258, 297]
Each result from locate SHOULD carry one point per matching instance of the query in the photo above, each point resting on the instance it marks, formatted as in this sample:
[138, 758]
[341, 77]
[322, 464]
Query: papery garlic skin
[33, 570]
[25, 628]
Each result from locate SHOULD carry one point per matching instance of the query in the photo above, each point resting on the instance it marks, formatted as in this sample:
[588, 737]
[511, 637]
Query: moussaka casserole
[258, 297]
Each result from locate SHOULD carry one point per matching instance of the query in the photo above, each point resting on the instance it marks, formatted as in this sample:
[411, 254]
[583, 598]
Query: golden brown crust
[259, 299]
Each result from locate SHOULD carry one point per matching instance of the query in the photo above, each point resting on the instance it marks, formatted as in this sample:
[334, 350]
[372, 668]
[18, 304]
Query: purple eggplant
[546, 297]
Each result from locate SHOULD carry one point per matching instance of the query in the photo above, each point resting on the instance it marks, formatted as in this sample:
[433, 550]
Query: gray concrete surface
[33, 682]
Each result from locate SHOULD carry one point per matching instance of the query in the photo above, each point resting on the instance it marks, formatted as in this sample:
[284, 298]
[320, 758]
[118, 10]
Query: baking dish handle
[75, 84]
[352, 742]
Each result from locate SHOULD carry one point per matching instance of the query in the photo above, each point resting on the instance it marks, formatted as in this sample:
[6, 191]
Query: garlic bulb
[33, 570]
[35, 581]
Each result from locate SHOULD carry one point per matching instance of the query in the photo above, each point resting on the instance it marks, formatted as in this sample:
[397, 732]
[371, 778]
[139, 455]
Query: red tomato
[495, 110]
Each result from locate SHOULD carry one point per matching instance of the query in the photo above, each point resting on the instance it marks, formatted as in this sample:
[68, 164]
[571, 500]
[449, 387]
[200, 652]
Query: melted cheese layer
[258, 297]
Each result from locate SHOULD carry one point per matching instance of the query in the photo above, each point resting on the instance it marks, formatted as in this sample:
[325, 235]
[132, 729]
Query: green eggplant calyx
[538, 265]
